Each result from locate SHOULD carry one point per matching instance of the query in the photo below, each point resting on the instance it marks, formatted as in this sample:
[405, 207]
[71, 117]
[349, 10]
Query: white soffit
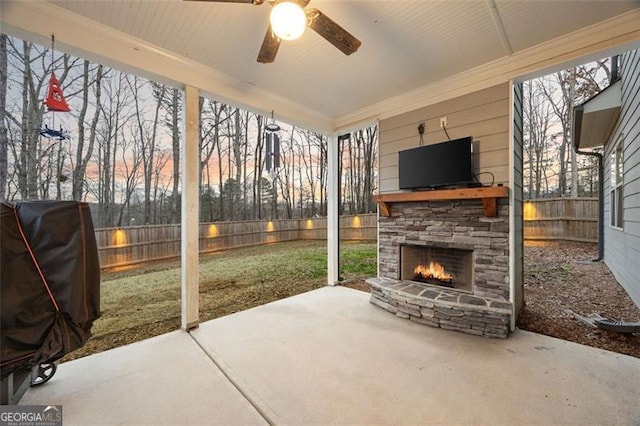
[598, 117]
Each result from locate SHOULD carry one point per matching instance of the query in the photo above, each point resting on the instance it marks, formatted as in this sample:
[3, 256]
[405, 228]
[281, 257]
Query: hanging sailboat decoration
[55, 99]
[54, 134]
[54, 102]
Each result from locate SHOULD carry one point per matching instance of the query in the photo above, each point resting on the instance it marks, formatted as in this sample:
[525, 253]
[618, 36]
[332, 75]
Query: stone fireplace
[470, 245]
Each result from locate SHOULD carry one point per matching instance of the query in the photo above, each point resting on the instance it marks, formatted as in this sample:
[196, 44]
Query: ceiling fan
[289, 12]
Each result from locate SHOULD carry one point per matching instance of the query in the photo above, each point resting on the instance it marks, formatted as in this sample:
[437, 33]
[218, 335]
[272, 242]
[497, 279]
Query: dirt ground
[561, 281]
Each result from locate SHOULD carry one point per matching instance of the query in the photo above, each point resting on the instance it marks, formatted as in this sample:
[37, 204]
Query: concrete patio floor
[329, 356]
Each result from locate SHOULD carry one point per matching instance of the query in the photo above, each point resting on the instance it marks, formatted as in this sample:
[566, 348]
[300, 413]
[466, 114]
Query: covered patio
[330, 357]
[419, 62]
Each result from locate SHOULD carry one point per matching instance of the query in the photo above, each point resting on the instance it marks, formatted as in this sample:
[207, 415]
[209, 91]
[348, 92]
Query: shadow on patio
[328, 356]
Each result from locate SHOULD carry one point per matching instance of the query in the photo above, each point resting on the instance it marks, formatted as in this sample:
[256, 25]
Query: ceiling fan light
[288, 20]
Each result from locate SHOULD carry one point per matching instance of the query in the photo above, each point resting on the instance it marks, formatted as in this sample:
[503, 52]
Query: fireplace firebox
[448, 267]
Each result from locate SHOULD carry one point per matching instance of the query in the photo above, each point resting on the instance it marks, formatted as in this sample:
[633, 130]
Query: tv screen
[442, 164]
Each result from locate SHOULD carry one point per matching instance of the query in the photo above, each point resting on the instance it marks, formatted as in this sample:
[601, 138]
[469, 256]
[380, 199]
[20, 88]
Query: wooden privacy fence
[571, 219]
[137, 244]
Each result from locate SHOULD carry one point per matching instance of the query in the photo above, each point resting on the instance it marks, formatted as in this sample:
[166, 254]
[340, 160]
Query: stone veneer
[451, 224]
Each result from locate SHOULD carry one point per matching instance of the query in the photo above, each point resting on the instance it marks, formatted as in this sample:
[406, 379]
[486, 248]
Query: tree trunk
[31, 124]
[237, 157]
[4, 142]
[574, 157]
[257, 176]
[175, 146]
[82, 157]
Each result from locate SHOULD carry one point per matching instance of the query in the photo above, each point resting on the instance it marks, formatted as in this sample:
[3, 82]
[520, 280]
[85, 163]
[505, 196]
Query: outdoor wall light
[288, 20]
[119, 237]
[529, 210]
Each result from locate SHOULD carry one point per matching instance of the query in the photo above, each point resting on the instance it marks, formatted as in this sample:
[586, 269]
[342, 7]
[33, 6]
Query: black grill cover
[48, 305]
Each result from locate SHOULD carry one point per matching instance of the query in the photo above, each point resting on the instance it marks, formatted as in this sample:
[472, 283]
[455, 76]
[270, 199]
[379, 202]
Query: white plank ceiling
[406, 45]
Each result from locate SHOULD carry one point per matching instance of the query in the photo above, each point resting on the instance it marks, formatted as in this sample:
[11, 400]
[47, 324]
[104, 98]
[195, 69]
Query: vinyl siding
[622, 247]
[483, 115]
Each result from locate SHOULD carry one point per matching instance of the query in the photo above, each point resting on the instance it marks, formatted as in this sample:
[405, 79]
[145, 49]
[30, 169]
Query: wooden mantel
[489, 196]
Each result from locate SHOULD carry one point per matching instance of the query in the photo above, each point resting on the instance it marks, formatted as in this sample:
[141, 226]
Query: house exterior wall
[622, 246]
[483, 114]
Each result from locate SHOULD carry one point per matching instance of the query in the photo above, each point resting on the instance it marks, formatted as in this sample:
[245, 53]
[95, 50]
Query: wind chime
[54, 102]
[272, 136]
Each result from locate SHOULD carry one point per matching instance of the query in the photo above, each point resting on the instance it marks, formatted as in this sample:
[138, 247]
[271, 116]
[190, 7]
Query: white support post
[333, 194]
[190, 162]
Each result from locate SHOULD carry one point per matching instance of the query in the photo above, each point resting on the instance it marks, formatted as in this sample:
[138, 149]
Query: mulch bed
[561, 281]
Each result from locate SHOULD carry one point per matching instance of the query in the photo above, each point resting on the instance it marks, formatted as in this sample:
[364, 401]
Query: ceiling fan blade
[332, 32]
[302, 3]
[269, 47]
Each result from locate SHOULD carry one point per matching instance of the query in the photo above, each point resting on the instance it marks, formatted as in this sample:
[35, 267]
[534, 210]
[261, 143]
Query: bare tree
[158, 184]
[116, 114]
[563, 91]
[537, 120]
[4, 147]
[322, 172]
[220, 181]
[83, 156]
[258, 168]
[173, 107]
[147, 138]
[129, 173]
[244, 160]
[309, 156]
[285, 175]
[368, 141]
[31, 123]
[237, 149]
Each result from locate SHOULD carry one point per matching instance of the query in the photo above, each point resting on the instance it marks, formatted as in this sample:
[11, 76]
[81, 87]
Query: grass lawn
[145, 301]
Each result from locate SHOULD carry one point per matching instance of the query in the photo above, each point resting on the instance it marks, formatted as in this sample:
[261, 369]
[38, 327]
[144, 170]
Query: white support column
[190, 162]
[333, 194]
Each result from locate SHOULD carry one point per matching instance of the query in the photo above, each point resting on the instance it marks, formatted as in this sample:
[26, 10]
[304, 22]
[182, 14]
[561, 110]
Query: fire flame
[435, 270]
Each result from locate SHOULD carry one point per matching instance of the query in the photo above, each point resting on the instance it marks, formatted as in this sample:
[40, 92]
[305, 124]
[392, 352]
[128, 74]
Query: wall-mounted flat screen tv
[442, 164]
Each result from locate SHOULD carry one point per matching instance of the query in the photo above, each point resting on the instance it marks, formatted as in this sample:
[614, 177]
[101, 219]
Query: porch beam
[190, 209]
[333, 194]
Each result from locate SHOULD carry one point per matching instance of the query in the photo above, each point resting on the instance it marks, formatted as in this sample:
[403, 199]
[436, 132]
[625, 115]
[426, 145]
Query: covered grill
[50, 287]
